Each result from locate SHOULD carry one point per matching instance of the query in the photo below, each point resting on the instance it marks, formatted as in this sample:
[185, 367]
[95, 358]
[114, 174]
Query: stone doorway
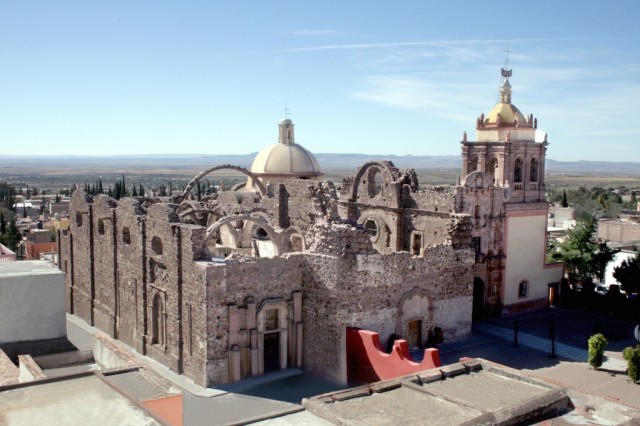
[478, 299]
[271, 342]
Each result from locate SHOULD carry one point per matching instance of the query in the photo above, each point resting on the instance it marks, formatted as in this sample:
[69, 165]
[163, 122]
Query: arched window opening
[78, 219]
[493, 167]
[472, 166]
[523, 289]
[517, 171]
[374, 182]
[533, 170]
[156, 245]
[296, 243]
[157, 324]
[261, 233]
[101, 226]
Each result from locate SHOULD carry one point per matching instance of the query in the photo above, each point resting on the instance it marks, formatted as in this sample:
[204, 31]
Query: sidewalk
[544, 345]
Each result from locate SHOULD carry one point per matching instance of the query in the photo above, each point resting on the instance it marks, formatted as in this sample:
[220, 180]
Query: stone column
[482, 162]
[234, 349]
[253, 338]
[297, 318]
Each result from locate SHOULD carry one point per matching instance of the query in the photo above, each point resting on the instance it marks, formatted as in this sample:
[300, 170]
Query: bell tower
[506, 149]
[502, 188]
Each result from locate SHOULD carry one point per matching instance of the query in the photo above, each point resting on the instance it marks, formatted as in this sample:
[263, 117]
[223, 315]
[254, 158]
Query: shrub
[597, 343]
[632, 355]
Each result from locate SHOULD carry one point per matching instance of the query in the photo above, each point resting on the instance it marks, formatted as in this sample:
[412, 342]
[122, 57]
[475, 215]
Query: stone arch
[388, 171]
[478, 180]
[415, 305]
[187, 190]
[256, 218]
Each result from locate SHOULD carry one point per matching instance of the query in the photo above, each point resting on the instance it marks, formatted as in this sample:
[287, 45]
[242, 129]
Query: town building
[269, 274]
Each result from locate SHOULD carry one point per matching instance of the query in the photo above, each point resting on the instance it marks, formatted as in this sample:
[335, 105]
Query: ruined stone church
[269, 274]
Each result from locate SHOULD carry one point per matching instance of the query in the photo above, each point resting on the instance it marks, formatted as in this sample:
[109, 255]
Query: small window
[371, 227]
[156, 245]
[78, 219]
[271, 319]
[523, 289]
[417, 244]
[476, 245]
[101, 226]
[126, 236]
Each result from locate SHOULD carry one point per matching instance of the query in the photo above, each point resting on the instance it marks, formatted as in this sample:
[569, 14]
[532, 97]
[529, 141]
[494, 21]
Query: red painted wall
[367, 362]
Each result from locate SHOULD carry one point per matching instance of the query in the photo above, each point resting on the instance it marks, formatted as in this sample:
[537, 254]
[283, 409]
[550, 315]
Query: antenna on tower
[286, 111]
[505, 71]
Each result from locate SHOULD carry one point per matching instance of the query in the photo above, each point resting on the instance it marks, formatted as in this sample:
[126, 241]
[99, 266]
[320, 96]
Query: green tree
[628, 274]
[597, 344]
[564, 203]
[134, 191]
[3, 223]
[632, 356]
[583, 257]
[13, 236]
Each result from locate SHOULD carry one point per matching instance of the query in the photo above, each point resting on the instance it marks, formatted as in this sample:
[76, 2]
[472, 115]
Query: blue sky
[212, 77]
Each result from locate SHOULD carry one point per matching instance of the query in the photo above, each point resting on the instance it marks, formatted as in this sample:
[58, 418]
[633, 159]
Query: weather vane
[506, 72]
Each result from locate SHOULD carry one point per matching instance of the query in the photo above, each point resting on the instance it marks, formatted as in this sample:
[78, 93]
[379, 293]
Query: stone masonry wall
[366, 291]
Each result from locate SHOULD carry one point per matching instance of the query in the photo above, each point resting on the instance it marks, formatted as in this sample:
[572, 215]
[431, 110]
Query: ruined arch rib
[195, 180]
[387, 169]
[257, 218]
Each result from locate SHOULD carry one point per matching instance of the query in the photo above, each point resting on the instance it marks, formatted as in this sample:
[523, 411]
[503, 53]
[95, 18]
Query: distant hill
[328, 162]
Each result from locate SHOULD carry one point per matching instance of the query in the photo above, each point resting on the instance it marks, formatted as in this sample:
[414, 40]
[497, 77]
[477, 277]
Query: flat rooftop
[27, 267]
[465, 393]
[87, 400]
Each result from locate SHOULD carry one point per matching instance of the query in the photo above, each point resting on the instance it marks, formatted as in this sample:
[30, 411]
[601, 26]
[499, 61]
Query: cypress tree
[24, 209]
[141, 191]
[110, 192]
[564, 202]
[3, 223]
[134, 192]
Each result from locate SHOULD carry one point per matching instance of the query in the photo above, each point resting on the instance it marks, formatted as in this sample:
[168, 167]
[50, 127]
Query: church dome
[286, 158]
[505, 111]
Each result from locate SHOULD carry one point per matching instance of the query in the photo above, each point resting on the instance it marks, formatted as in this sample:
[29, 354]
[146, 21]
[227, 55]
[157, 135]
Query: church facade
[270, 274]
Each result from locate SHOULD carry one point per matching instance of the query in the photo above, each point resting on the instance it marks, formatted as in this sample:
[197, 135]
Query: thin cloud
[440, 43]
[313, 32]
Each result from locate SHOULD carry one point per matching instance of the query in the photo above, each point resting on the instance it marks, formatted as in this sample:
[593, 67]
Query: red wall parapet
[367, 361]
